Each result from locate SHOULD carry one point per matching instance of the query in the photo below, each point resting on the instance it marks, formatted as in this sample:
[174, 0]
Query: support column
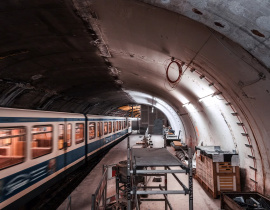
[166, 187]
[190, 179]
[128, 177]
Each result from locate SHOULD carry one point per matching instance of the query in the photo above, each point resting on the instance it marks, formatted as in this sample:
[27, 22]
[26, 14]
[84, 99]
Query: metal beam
[158, 192]
[157, 171]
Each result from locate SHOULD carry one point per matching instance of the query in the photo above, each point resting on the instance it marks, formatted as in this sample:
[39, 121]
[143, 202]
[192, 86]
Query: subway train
[37, 148]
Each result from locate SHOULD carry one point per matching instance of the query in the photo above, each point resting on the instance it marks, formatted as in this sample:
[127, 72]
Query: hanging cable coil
[179, 71]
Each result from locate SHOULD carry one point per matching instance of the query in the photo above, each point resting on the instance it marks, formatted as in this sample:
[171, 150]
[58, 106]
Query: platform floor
[81, 196]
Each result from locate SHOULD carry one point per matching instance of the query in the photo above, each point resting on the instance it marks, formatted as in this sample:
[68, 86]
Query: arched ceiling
[49, 60]
[91, 56]
[244, 22]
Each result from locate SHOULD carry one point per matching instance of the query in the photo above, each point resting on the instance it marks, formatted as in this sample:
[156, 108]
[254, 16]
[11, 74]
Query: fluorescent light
[216, 93]
[186, 104]
[212, 94]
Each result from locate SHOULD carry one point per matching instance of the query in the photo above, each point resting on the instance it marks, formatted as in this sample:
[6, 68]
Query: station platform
[80, 198]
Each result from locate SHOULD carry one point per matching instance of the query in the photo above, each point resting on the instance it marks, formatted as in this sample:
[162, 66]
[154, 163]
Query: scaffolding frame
[139, 157]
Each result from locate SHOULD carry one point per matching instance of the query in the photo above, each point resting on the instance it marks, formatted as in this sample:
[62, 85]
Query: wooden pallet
[217, 177]
[206, 187]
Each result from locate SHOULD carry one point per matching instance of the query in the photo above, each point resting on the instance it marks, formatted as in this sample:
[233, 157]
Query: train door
[64, 140]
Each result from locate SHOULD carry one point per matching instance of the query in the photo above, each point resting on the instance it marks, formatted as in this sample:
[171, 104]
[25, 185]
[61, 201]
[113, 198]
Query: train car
[38, 148]
[104, 131]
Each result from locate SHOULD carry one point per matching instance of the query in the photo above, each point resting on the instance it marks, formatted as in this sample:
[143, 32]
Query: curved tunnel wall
[83, 41]
[230, 67]
[242, 79]
[175, 121]
[217, 122]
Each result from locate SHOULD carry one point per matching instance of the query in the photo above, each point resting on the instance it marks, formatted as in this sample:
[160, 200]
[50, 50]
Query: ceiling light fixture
[201, 99]
[212, 94]
[186, 104]
[216, 93]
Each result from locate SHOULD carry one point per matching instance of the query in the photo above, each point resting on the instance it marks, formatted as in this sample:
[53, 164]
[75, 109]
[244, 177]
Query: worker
[171, 131]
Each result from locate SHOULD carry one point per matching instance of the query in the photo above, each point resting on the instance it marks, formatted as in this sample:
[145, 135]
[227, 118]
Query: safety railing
[99, 197]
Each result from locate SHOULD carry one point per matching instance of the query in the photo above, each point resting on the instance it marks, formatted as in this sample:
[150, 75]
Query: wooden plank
[238, 185]
[226, 174]
[177, 143]
[215, 191]
[231, 204]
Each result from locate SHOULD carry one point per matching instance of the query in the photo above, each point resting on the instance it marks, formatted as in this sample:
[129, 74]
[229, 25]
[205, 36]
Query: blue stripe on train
[15, 183]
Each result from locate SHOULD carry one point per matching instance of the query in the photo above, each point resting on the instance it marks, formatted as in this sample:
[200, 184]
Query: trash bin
[242, 200]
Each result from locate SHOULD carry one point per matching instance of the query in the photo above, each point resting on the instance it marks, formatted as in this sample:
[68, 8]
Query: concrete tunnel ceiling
[91, 56]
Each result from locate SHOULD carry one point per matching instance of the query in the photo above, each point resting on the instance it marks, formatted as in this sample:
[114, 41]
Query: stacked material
[178, 145]
[217, 170]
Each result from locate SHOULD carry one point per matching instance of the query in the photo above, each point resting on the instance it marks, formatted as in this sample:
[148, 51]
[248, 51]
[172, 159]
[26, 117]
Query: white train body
[37, 148]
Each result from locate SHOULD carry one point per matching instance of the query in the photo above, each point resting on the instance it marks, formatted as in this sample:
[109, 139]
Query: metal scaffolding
[138, 159]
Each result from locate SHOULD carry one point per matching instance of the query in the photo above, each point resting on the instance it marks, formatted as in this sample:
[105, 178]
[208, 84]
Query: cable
[173, 84]
[198, 52]
[179, 71]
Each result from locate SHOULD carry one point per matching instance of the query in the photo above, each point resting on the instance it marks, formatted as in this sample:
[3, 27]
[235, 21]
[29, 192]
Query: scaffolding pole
[154, 157]
[190, 179]
[128, 176]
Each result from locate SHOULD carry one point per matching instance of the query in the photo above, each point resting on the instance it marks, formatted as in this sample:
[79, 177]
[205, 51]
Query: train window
[115, 126]
[61, 136]
[12, 146]
[119, 125]
[41, 140]
[129, 123]
[110, 127]
[92, 130]
[105, 128]
[98, 134]
[69, 134]
[99, 129]
[79, 133]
